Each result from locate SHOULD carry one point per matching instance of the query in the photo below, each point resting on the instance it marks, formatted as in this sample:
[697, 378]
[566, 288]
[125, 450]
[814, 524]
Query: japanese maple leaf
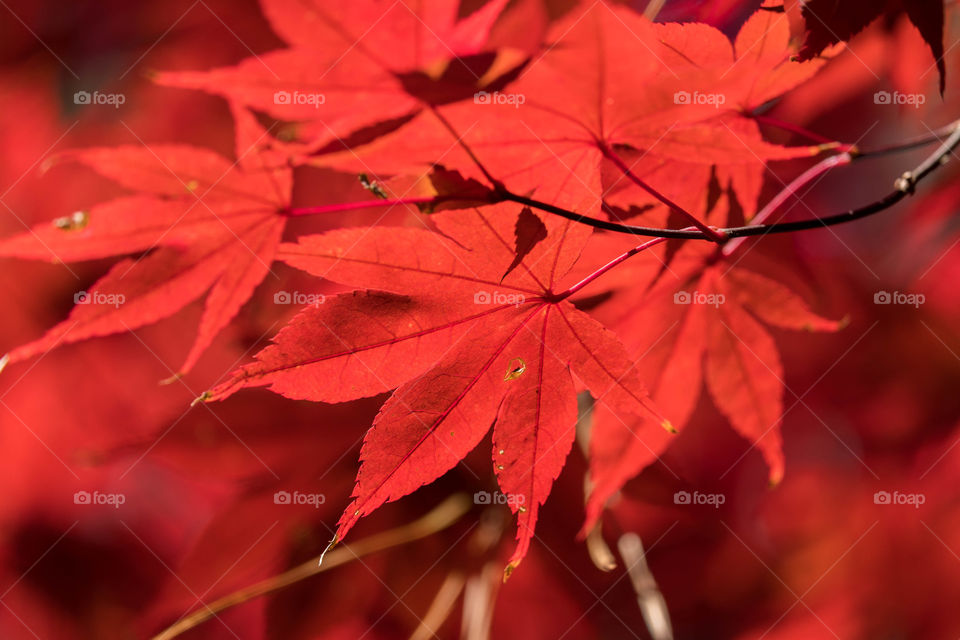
[464, 340]
[207, 223]
[352, 65]
[827, 22]
[699, 322]
[614, 88]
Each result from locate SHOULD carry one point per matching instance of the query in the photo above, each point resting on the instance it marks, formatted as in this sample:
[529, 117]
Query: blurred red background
[872, 408]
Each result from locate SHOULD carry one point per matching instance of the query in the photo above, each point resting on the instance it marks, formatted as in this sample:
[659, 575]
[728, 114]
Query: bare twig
[479, 597]
[441, 607]
[903, 187]
[441, 517]
[652, 604]
[790, 190]
[612, 156]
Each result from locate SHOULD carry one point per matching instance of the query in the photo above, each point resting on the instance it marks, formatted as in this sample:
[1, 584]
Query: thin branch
[440, 608]
[479, 596]
[439, 518]
[793, 128]
[904, 186]
[906, 145]
[611, 155]
[363, 204]
[610, 265]
[790, 190]
[602, 224]
[914, 143]
[650, 600]
[653, 9]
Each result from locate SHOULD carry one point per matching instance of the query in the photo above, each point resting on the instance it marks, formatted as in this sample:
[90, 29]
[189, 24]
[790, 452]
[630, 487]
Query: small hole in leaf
[515, 369]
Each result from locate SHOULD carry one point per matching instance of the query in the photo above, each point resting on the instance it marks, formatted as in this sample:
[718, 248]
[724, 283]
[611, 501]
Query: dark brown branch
[903, 187]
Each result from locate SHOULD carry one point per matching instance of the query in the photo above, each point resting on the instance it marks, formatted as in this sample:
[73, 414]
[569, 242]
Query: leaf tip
[601, 555]
[508, 570]
[330, 546]
[48, 164]
[668, 426]
[776, 477]
[174, 378]
[825, 146]
[203, 397]
[4, 361]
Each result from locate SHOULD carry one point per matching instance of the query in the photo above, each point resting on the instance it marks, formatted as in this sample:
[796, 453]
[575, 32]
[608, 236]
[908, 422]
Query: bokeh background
[872, 408]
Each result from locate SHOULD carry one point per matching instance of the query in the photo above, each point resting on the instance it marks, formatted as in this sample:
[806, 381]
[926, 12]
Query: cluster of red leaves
[466, 314]
[414, 324]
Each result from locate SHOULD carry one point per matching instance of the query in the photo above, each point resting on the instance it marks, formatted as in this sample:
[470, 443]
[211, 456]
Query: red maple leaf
[206, 223]
[464, 345]
[353, 65]
[615, 107]
[699, 323]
